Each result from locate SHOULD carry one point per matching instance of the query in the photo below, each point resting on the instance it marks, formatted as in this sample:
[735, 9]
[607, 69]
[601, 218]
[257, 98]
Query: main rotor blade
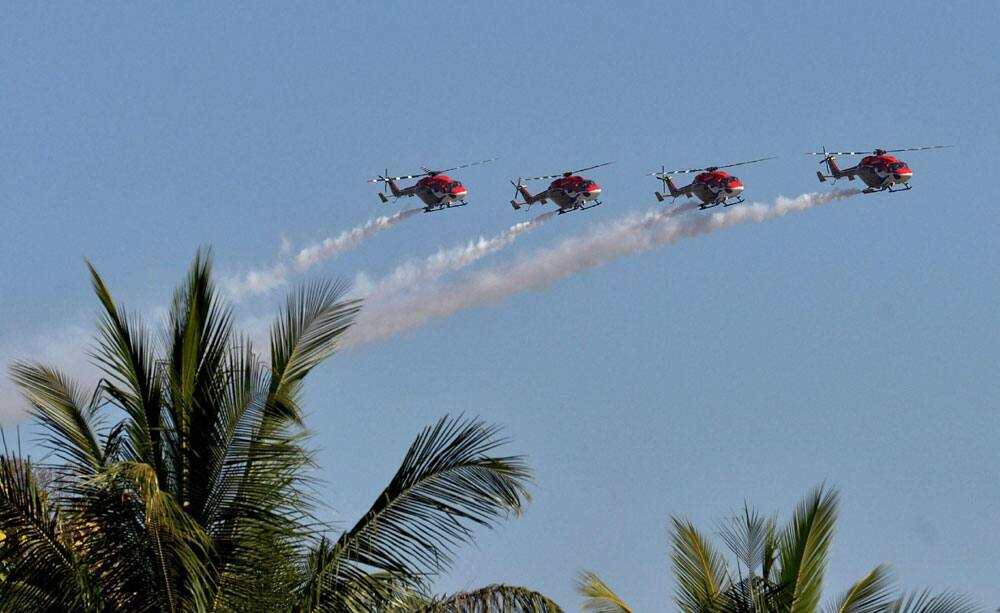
[590, 167]
[682, 171]
[466, 165]
[567, 173]
[825, 153]
[381, 179]
[542, 177]
[919, 148]
[747, 162]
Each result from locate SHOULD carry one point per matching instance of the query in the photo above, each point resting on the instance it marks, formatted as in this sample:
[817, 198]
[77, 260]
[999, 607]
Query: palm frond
[126, 353]
[304, 335]
[66, 411]
[598, 596]
[331, 587]
[748, 537]
[200, 333]
[447, 482]
[180, 546]
[258, 508]
[507, 598]
[699, 569]
[805, 544]
[43, 570]
[926, 601]
[871, 594]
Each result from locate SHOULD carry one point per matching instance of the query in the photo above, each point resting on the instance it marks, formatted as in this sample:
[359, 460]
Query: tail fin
[394, 188]
[672, 187]
[669, 186]
[831, 164]
[831, 167]
[520, 189]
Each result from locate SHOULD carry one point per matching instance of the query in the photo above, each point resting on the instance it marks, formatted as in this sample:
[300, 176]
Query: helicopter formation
[713, 186]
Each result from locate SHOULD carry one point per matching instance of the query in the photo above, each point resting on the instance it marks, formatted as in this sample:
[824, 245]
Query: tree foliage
[181, 482]
[772, 569]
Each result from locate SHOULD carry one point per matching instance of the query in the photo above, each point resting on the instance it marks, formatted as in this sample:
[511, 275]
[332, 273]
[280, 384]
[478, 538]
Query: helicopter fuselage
[436, 191]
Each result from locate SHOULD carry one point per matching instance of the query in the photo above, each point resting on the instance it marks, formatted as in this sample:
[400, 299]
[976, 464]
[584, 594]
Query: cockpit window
[896, 166]
[586, 184]
[455, 184]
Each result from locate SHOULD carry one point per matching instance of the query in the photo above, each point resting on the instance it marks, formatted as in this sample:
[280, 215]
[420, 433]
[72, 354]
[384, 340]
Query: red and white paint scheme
[878, 170]
[569, 191]
[435, 189]
[713, 186]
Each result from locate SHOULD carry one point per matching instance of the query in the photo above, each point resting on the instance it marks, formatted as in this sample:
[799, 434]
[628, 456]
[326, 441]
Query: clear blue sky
[856, 343]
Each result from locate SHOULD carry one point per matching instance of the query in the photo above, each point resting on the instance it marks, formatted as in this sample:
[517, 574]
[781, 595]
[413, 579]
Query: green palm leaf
[804, 548]
[126, 353]
[598, 596]
[303, 336]
[871, 594]
[926, 601]
[67, 413]
[31, 527]
[699, 569]
[750, 537]
[507, 598]
[447, 481]
[180, 545]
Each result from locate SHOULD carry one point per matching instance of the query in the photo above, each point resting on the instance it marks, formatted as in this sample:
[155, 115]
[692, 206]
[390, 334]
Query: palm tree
[181, 482]
[774, 569]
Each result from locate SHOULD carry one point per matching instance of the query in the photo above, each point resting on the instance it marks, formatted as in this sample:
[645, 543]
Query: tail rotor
[517, 191]
[385, 187]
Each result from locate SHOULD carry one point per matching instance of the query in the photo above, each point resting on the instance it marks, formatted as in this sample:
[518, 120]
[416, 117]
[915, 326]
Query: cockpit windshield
[896, 166]
[586, 184]
[454, 184]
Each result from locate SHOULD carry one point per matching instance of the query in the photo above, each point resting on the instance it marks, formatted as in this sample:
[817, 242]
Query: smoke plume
[418, 273]
[263, 281]
[388, 314]
[348, 239]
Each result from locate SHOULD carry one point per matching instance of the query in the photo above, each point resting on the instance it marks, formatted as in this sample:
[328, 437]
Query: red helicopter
[437, 190]
[879, 171]
[569, 191]
[712, 186]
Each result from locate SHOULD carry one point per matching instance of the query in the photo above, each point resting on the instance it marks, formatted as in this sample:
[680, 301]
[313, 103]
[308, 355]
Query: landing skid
[875, 190]
[581, 208]
[441, 207]
[708, 205]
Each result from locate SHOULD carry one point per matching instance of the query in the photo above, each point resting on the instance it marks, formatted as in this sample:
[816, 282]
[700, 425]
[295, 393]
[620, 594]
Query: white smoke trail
[348, 239]
[262, 281]
[417, 273]
[606, 242]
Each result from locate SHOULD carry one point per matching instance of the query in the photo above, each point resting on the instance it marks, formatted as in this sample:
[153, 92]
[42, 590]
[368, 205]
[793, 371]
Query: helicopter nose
[461, 193]
[593, 190]
[903, 174]
[735, 189]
